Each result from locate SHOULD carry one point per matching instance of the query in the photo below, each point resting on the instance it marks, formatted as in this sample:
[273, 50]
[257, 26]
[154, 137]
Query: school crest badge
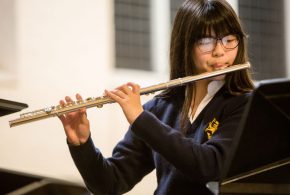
[211, 128]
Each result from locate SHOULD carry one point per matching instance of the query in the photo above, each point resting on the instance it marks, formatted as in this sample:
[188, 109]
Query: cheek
[198, 57]
[232, 55]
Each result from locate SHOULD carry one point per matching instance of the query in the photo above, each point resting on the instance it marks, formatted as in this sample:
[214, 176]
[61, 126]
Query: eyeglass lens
[208, 44]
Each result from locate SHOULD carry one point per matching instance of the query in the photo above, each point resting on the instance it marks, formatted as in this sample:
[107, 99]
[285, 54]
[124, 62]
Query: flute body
[100, 101]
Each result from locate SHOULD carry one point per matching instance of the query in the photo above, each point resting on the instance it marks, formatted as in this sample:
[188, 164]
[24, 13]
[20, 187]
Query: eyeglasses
[208, 44]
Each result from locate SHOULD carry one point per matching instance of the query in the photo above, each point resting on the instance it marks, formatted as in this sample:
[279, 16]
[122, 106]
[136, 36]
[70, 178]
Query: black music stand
[259, 162]
[9, 107]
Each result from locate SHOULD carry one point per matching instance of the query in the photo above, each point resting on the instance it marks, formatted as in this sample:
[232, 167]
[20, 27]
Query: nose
[219, 50]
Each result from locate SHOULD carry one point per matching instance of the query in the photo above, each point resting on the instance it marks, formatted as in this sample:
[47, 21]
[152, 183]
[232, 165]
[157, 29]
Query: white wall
[234, 4]
[7, 42]
[61, 47]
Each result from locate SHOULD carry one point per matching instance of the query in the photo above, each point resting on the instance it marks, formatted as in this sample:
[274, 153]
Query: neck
[200, 92]
[201, 86]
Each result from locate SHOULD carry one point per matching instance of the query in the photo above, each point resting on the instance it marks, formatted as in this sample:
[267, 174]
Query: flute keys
[70, 104]
[48, 109]
[58, 107]
[98, 99]
[99, 105]
[79, 101]
[89, 99]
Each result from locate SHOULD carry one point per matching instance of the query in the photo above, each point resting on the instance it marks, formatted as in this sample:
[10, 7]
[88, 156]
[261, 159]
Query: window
[132, 34]
[264, 23]
[7, 44]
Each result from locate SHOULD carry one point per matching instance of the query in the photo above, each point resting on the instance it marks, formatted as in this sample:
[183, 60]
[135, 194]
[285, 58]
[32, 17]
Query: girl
[184, 133]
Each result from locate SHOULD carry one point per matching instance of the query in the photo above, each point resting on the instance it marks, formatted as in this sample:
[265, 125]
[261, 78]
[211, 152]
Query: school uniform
[183, 163]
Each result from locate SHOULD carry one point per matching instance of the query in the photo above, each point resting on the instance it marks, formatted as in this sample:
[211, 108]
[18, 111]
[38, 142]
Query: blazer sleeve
[130, 162]
[200, 162]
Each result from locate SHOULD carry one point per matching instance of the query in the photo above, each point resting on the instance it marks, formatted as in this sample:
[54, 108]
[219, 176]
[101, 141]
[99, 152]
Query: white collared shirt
[212, 88]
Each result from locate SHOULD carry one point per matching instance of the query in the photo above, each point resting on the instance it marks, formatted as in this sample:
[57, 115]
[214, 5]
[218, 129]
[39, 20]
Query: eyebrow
[211, 36]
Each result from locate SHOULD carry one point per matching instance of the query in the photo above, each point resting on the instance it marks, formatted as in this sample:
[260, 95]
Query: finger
[62, 117]
[79, 98]
[69, 115]
[135, 87]
[68, 99]
[126, 89]
[62, 103]
[113, 96]
[119, 93]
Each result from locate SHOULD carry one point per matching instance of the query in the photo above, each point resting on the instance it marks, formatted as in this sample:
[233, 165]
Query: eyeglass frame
[216, 40]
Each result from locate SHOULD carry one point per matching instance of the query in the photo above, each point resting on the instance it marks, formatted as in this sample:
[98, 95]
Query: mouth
[219, 66]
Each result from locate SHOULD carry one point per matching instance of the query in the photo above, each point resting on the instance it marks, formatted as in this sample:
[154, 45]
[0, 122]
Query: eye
[229, 39]
[206, 41]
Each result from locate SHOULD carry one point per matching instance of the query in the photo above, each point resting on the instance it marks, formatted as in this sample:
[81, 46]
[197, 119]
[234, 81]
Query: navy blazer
[184, 163]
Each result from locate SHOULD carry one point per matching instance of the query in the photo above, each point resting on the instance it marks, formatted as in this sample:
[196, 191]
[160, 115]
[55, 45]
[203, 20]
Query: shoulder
[158, 104]
[238, 99]
[236, 102]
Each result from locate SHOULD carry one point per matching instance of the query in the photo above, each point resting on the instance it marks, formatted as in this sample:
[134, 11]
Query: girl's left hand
[128, 97]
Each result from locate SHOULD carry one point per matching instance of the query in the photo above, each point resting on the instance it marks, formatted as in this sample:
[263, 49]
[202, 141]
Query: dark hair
[195, 19]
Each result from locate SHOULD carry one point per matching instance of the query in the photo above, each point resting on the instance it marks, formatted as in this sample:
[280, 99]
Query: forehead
[213, 24]
[211, 31]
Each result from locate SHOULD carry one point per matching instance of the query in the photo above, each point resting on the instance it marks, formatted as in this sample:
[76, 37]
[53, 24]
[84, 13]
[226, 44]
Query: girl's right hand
[76, 124]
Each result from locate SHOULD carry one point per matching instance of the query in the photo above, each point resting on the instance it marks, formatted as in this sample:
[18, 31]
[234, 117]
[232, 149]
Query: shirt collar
[214, 86]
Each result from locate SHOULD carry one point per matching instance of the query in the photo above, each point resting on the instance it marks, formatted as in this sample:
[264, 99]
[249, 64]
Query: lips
[218, 66]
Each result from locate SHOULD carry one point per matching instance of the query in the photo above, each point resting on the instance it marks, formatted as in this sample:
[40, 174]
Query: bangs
[214, 20]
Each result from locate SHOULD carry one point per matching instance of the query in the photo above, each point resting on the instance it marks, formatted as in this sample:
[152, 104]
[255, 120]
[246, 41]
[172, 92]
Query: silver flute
[100, 101]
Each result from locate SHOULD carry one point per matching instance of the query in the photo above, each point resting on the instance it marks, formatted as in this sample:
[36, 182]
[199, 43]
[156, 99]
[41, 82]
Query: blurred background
[53, 48]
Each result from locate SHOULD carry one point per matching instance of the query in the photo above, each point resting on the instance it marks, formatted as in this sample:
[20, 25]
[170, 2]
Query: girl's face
[211, 53]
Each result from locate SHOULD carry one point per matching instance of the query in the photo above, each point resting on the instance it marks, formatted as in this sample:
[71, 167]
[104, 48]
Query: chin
[219, 78]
